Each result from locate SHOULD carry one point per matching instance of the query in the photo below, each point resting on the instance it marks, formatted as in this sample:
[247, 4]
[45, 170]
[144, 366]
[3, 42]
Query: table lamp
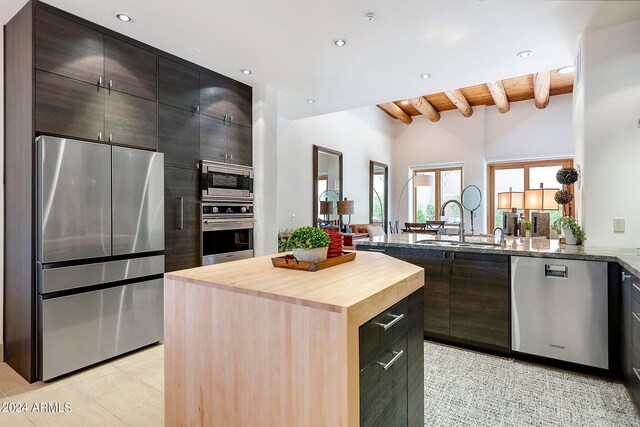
[326, 208]
[512, 200]
[346, 207]
[540, 199]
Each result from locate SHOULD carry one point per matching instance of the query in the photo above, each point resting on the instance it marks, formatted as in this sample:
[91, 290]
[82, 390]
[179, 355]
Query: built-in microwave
[222, 181]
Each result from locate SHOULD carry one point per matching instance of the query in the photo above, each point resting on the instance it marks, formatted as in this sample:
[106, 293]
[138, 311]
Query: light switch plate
[293, 217]
[618, 225]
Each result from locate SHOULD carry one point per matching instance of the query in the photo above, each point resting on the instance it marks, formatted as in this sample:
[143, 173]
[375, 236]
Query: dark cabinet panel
[213, 139]
[240, 105]
[626, 330]
[179, 137]
[130, 69]
[387, 250]
[182, 219]
[68, 107]
[436, 287]
[131, 120]
[239, 146]
[213, 97]
[415, 360]
[479, 298]
[178, 85]
[67, 48]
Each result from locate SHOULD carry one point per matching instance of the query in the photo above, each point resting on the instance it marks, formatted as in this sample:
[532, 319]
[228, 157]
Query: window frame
[526, 165]
[438, 201]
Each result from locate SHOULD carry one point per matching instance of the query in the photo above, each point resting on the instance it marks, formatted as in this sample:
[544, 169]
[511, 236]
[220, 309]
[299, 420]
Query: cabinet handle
[453, 255]
[110, 137]
[197, 108]
[110, 83]
[231, 155]
[100, 136]
[636, 316]
[397, 355]
[377, 250]
[100, 81]
[637, 372]
[225, 117]
[230, 119]
[625, 276]
[396, 319]
[444, 255]
[181, 221]
[635, 286]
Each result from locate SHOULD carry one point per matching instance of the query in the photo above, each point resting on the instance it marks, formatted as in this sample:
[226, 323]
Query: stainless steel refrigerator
[100, 243]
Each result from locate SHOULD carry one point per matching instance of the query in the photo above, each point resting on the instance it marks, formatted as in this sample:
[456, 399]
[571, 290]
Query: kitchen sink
[451, 244]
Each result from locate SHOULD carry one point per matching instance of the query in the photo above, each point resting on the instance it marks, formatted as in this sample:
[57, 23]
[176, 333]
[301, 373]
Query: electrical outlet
[618, 225]
[293, 217]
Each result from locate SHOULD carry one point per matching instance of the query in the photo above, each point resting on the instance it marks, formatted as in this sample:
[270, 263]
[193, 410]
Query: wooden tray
[288, 261]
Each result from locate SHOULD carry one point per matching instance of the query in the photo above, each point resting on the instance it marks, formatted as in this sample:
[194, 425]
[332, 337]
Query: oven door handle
[228, 221]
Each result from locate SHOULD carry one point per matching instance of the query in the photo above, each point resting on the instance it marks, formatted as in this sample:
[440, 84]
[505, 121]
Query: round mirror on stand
[471, 200]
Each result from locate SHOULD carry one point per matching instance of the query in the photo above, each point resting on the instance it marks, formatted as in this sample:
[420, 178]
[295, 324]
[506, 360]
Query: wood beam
[541, 86]
[499, 96]
[397, 112]
[423, 106]
[459, 101]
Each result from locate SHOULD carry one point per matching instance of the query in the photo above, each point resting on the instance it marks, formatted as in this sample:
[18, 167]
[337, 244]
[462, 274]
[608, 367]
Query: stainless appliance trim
[85, 328]
[226, 257]
[226, 224]
[563, 318]
[77, 276]
[222, 194]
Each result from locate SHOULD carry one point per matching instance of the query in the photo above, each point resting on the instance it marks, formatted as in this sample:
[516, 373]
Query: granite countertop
[543, 248]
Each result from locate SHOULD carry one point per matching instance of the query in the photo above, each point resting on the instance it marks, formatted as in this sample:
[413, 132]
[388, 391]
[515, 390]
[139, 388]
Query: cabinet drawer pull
[100, 136]
[110, 83]
[398, 355]
[225, 117]
[110, 137]
[637, 372]
[636, 316]
[635, 286]
[100, 81]
[181, 221]
[230, 119]
[396, 319]
[377, 250]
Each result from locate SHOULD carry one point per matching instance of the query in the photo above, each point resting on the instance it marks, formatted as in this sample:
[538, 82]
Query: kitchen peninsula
[341, 346]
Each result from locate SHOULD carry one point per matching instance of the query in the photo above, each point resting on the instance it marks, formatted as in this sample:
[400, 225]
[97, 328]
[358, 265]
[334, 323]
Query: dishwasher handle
[561, 271]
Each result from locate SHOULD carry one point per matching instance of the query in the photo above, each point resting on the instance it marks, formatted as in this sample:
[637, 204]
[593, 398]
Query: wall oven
[227, 231]
[222, 181]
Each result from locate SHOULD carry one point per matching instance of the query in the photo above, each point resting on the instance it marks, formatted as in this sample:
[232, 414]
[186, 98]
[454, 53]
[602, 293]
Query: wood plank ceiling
[539, 86]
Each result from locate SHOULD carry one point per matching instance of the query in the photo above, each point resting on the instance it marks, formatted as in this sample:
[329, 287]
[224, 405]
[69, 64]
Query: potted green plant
[527, 227]
[309, 244]
[570, 229]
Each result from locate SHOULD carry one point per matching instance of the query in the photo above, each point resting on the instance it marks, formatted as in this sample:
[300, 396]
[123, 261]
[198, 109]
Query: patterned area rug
[464, 388]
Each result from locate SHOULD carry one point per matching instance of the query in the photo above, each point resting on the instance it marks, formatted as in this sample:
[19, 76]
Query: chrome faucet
[503, 241]
[444, 205]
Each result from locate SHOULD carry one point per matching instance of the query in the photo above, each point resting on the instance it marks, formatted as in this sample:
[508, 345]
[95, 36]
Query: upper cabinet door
[130, 120]
[66, 48]
[178, 85]
[68, 107]
[213, 97]
[239, 147]
[130, 69]
[137, 201]
[240, 105]
[179, 137]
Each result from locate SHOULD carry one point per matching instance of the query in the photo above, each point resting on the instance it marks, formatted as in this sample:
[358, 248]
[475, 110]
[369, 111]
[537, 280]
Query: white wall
[610, 141]
[265, 164]
[488, 136]
[361, 135]
[1, 193]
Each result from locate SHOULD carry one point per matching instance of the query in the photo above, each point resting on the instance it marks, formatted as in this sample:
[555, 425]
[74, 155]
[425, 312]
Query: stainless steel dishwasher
[559, 309]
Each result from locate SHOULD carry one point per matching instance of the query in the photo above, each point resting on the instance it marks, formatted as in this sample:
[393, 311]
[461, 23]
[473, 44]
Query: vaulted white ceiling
[288, 44]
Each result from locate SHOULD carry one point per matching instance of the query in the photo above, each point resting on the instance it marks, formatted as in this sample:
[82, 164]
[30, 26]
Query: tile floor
[463, 388]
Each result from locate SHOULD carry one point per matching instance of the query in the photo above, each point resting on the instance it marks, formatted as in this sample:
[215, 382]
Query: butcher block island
[249, 344]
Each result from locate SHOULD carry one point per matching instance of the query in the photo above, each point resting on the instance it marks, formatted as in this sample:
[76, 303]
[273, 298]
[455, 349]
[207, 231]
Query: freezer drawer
[74, 199]
[138, 201]
[77, 276]
[82, 329]
[559, 309]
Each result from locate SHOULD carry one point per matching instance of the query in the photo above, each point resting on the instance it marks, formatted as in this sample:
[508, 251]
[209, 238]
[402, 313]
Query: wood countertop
[336, 288]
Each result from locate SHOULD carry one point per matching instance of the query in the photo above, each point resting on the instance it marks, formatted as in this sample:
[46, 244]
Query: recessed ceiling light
[123, 17]
[404, 102]
[425, 76]
[340, 42]
[245, 71]
[311, 100]
[524, 53]
[567, 70]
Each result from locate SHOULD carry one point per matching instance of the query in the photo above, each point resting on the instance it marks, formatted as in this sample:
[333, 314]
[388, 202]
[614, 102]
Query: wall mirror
[327, 185]
[378, 194]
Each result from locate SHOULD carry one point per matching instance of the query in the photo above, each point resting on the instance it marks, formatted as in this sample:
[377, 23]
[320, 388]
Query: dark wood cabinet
[179, 136]
[479, 298]
[630, 334]
[213, 139]
[239, 144]
[178, 85]
[392, 366]
[68, 107]
[131, 120]
[437, 269]
[240, 101]
[182, 219]
[68, 48]
[130, 69]
[213, 97]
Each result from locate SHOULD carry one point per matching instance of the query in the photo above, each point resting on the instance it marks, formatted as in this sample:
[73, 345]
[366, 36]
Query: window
[519, 177]
[427, 200]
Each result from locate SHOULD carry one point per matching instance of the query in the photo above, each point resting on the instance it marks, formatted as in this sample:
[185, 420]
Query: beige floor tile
[10, 380]
[9, 416]
[148, 367]
[124, 395]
